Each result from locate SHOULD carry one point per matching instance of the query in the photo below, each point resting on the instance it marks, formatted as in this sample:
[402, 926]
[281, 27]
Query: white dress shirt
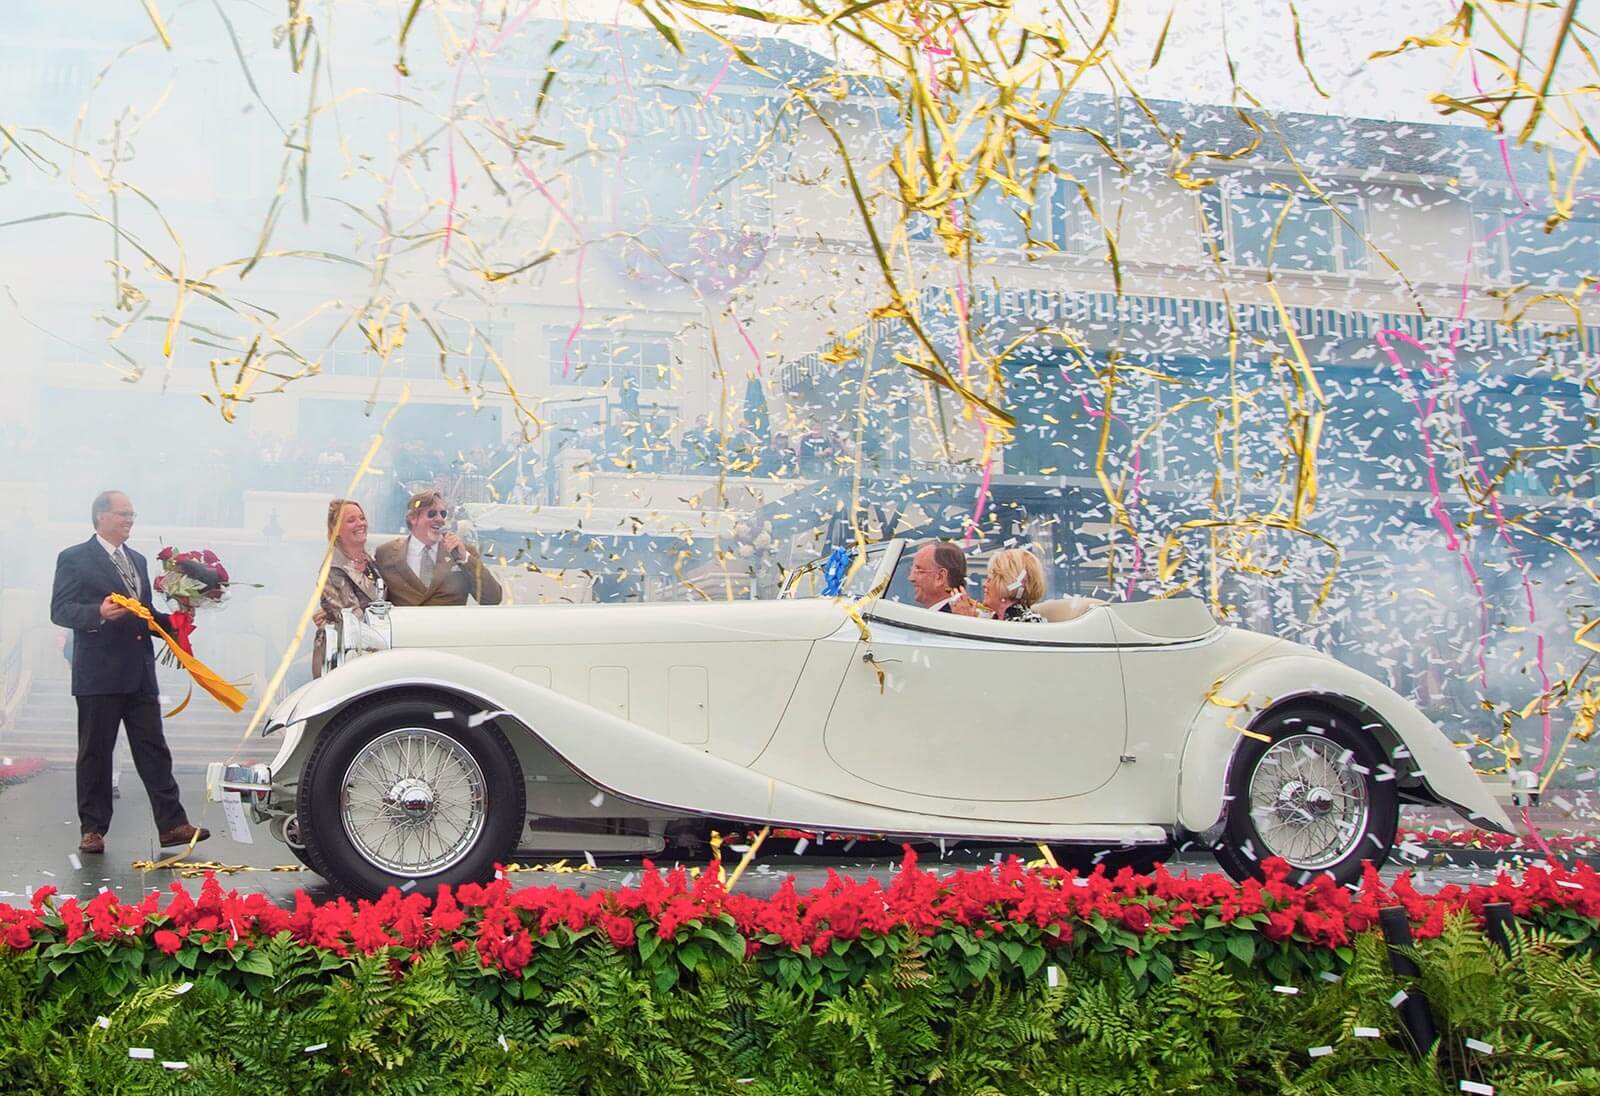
[414, 553]
[111, 549]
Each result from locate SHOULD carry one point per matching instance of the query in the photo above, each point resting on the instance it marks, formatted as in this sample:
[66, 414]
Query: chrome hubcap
[414, 801]
[1308, 803]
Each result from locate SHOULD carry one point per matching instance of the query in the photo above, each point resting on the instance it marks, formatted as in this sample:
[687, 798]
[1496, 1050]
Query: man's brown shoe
[182, 835]
[92, 842]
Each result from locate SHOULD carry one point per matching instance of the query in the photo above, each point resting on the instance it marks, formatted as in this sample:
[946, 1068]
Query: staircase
[46, 724]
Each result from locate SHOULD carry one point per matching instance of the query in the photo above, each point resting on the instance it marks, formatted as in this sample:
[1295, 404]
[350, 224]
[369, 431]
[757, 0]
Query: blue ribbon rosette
[835, 569]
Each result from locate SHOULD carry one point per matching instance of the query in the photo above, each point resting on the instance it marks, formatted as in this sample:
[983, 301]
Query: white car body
[1117, 727]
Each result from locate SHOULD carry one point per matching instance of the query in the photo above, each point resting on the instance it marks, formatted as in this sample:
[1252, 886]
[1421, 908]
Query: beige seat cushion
[1065, 608]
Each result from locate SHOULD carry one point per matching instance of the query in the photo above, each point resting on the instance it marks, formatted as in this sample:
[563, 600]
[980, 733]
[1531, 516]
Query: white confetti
[181, 988]
[144, 1054]
[1477, 1087]
[1052, 976]
[407, 885]
[1480, 1046]
[444, 715]
[1397, 999]
[72, 858]
[1569, 884]
[1287, 991]
[597, 799]
[503, 1044]
[801, 845]
[1329, 976]
[103, 1023]
[1320, 1052]
[1367, 1033]
[174, 1065]
[588, 858]
[314, 1047]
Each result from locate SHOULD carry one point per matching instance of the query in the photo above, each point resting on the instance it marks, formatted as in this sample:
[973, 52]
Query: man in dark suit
[939, 579]
[114, 674]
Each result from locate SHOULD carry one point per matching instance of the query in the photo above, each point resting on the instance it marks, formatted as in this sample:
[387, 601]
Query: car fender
[1241, 698]
[637, 764]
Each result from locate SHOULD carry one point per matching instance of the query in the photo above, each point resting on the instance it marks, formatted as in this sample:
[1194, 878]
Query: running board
[1097, 835]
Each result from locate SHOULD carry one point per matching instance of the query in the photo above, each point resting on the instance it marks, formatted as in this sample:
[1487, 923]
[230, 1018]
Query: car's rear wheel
[1310, 794]
[400, 794]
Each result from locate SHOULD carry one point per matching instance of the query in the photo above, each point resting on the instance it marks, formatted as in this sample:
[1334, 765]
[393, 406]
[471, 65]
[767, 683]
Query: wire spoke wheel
[413, 801]
[1310, 805]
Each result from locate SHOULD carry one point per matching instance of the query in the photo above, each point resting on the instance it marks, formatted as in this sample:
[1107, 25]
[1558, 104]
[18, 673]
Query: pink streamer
[745, 335]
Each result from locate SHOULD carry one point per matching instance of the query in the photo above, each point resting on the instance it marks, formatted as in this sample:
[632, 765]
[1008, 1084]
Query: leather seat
[1058, 610]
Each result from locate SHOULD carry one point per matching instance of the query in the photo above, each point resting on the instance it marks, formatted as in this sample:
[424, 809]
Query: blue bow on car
[835, 569]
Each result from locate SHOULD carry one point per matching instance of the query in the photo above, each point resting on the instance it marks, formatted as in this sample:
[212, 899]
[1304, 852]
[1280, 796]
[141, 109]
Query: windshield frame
[881, 559]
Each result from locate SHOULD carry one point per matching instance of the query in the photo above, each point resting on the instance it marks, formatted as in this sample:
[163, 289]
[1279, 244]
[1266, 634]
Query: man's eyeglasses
[437, 513]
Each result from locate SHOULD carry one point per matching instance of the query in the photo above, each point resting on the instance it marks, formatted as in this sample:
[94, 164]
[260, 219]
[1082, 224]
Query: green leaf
[691, 955]
[1137, 964]
[1242, 948]
[648, 943]
[667, 977]
[254, 962]
[1011, 949]
[1031, 960]
[730, 942]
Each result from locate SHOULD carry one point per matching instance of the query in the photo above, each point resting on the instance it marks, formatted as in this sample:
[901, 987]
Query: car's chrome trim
[899, 631]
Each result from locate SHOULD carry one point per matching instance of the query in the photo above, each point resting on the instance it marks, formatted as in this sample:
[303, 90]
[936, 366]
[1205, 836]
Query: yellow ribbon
[205, 677]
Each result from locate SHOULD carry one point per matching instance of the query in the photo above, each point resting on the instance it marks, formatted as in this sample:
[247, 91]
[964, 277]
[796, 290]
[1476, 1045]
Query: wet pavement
[39, 839]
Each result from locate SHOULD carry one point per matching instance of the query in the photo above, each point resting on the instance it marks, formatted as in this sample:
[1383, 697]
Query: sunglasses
[437, 513]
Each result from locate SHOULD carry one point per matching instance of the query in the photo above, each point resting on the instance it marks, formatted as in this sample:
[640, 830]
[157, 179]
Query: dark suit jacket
[108, 656]
[452, 583]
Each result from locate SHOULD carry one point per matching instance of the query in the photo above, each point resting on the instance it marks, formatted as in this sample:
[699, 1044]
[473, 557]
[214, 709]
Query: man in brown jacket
[430, 566]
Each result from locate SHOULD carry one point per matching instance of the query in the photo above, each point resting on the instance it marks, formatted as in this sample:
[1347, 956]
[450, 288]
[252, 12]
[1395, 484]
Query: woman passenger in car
[353, 581]
[1014, 583]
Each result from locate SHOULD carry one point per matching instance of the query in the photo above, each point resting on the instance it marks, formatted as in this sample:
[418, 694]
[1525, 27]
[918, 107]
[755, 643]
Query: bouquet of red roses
[190, 580]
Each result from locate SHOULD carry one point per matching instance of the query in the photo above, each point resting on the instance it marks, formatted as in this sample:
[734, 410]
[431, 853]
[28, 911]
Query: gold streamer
[209, 680]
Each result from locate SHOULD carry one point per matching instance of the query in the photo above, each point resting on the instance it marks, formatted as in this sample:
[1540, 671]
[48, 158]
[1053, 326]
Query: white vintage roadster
[441, 741]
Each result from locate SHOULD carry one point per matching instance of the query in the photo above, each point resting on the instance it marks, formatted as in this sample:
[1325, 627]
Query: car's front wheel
[405, 792]
[1310, 793]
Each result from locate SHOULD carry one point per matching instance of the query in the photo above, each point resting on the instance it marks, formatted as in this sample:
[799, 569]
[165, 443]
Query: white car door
[980, 710]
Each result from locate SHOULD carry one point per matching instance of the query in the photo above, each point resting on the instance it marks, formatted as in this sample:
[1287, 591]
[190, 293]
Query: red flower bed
[16, 771]
[989, 919]
[1578, 844]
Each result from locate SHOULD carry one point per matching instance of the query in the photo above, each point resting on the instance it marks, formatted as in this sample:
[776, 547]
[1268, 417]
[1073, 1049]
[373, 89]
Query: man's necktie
[427, 566]
[125, 569]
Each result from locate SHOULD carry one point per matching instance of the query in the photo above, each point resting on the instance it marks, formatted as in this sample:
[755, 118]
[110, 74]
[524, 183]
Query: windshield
[810, 580]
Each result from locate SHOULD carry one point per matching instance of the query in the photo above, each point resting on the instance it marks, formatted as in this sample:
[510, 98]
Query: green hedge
[585, 1018]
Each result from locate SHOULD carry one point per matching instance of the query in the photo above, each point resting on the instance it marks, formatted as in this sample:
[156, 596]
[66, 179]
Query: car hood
[671, 622]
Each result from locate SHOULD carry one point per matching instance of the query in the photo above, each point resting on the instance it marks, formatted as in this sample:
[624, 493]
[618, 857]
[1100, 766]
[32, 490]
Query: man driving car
[939, 579]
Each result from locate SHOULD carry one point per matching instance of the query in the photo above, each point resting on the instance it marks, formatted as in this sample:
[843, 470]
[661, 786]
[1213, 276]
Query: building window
[1241, 217]
[1059, 216]
[663, 181]
[595, 361]
[1514, 248]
